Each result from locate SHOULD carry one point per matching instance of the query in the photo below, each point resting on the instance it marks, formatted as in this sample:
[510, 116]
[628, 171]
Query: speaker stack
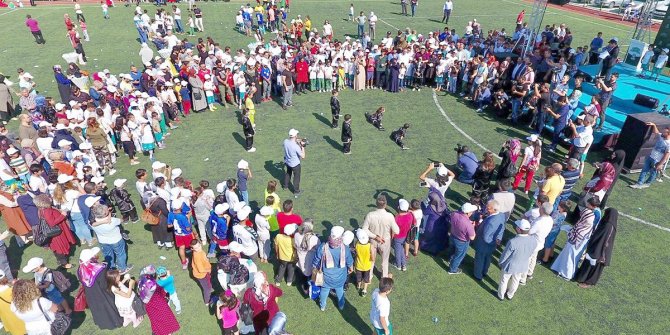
[637, 139]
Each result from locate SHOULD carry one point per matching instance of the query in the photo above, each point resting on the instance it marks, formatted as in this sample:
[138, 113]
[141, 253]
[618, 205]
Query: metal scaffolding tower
[535, 27]
[644, 22]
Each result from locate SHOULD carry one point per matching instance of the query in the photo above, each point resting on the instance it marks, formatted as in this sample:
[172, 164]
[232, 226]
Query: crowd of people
[57, 189]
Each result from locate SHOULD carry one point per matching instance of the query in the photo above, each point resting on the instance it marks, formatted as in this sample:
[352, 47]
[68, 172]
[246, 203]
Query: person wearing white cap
[363, 264]
[294, 152]
[243, 174]
[442, 180]
[490, 235]
[263, 231]
[285, 251]
[514, 259]
[217, 228]
[335, 261]
[462, 231]
[183, 230]
[109, 235]
[404, 220]
[540, 228]
[380, 226]
[202, 208]
[244, 234]
[44, 278]
[121, 197]
[530, 163]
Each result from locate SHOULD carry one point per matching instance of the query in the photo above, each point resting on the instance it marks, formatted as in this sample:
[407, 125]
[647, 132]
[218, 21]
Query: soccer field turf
[339, 190]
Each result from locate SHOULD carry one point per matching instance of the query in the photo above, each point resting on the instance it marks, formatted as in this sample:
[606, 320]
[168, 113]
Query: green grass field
[339, 190]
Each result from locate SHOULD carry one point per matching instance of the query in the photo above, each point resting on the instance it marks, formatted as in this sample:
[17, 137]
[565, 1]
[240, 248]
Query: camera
[303, 142]
[460, 149]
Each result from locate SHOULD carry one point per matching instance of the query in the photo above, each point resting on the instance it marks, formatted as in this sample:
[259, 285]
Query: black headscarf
[601, 242]
[617, 160]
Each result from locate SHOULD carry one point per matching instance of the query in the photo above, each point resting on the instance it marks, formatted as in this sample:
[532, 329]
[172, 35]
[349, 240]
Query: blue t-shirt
[219, 226]
[660, 149]
[246, 16]
[562, 120]
[167, 284]
[182, 227]
[292, 151]
[242, 177]
[468, 162]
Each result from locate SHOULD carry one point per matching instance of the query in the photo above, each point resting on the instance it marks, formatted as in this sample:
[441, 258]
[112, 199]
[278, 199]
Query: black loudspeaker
[646, 101]
[637, 139]
[560, 2]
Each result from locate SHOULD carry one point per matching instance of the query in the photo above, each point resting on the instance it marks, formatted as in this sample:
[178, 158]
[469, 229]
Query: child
[183, 230]
[243, 174]
[559, 216]
[346, 134]
[208, 86]
[226, 311]
[201, 270]
[376, 118]
[185, 95]
[351, 12]
[44, 278]
[659, 65]
[263, 231]
[121, 199]
[327, 77]
[165, 280]
[248, 130]
[285, 254]
[453, 77]
[270, 191]
[405, 221]
[340, 78]
[191, 25]
[79, 12]
[401, 76]
[218, 223]
[148, 139]
[399, 136]
[381, 307]
[413, 236]
[274, 223]
[313, 68]
[141, 185]
[320, 77]
[363, 262]
[122, 288]
[19, 165]
[249, 104]
[156, 128]
[105, 10]
[335, 108]
[84, 31]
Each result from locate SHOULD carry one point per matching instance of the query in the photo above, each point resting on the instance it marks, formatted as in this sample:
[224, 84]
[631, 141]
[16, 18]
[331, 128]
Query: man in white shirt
[381, 307]
[244, 235]
[539, 229]
[231, 195]
[447, 8]
[171, 40]
[109, 235]
[372, 22]
[582, 138]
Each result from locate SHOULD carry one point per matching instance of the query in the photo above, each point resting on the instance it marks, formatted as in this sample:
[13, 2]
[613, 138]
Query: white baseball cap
[336, 232]
[157, 165]
[87, 254]
[242, 164]
[468, 208]
[362, 236]
[234, 246]
[97, 180]
[90, 201]
[63, 178]
[64, 143]
[221, 208]
[293, 132]
[522, 224]
[290, 229]
[221, 187]
[347, 237]
[243, 213]
[442, 171]
[403, 205]
[532, 137]
[267, 210]
[32, 264]
[176, 173]
[119, 182]
[177, 203]
[60, 106]
[12, 151]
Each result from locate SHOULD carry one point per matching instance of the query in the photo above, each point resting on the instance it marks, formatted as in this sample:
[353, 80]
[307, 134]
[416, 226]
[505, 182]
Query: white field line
[439, 107]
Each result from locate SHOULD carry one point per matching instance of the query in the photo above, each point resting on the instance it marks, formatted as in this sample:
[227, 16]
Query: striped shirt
[582, 228]
[571, 178]
[19, 165]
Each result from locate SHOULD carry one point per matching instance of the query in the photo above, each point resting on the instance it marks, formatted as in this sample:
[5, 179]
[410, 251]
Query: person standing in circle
[294, 152]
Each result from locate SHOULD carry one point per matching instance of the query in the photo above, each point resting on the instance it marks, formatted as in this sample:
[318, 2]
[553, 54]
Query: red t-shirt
[284, 219]
[263, 313]
[404, 222]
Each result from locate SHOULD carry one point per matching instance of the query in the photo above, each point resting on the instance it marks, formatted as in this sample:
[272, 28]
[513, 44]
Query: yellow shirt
[285, 249]
[249, 104]
[553, 186]
[12, 323]
[363, 257]
[276, 205]
[308, 25]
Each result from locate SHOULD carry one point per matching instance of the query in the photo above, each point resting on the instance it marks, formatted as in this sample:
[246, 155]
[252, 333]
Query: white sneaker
[112, 172]
[252, 150]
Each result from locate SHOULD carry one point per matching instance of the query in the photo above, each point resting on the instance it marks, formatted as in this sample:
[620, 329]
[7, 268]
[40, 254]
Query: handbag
[45, 232]
[80, 303]
[317, 274]
[197, 95]
[149, 217]
[60, 323]
[138, 306]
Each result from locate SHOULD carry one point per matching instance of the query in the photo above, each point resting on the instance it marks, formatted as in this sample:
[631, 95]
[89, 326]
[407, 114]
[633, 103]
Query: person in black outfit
[376, 118]
[248, 130]
[399, 135]
[611, 59]
[335, 108]
[121, 199]
[346, 134]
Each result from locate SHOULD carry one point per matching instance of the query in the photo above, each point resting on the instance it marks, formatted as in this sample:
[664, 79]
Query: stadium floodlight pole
[536, 17]
[644, 21]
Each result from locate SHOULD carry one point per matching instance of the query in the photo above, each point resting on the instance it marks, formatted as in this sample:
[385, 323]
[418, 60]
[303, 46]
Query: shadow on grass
[333, 143]
[239, 138]
[323, 119]
[392, 197]
[276, 170]
[353, 317]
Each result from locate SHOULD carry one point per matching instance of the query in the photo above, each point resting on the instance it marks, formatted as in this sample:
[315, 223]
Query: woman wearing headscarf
[93, 278]
[61, 243]
[617, 159]
[6, 100]
[64, 84]
[161, 233]
[197, 92]
[509, 153]
[335, 261]
[101, 144]
[264, 301]
[433, 239]
[306, 241]
[566, 263]
[13, 215]
[394, 72]
[598, 250]
[163, 321]
[12, 324]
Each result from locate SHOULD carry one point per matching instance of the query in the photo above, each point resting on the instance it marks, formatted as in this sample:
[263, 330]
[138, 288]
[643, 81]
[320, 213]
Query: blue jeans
[457, 249]
[81, 229]
[361, 30]
[115, 254]
[245, 196]
[516, 111]
[143, 35]
[648, 173]
[413, 9]
[178, 26]
[325, 291]
[556, 137]
[483, 256]
[399, 249]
